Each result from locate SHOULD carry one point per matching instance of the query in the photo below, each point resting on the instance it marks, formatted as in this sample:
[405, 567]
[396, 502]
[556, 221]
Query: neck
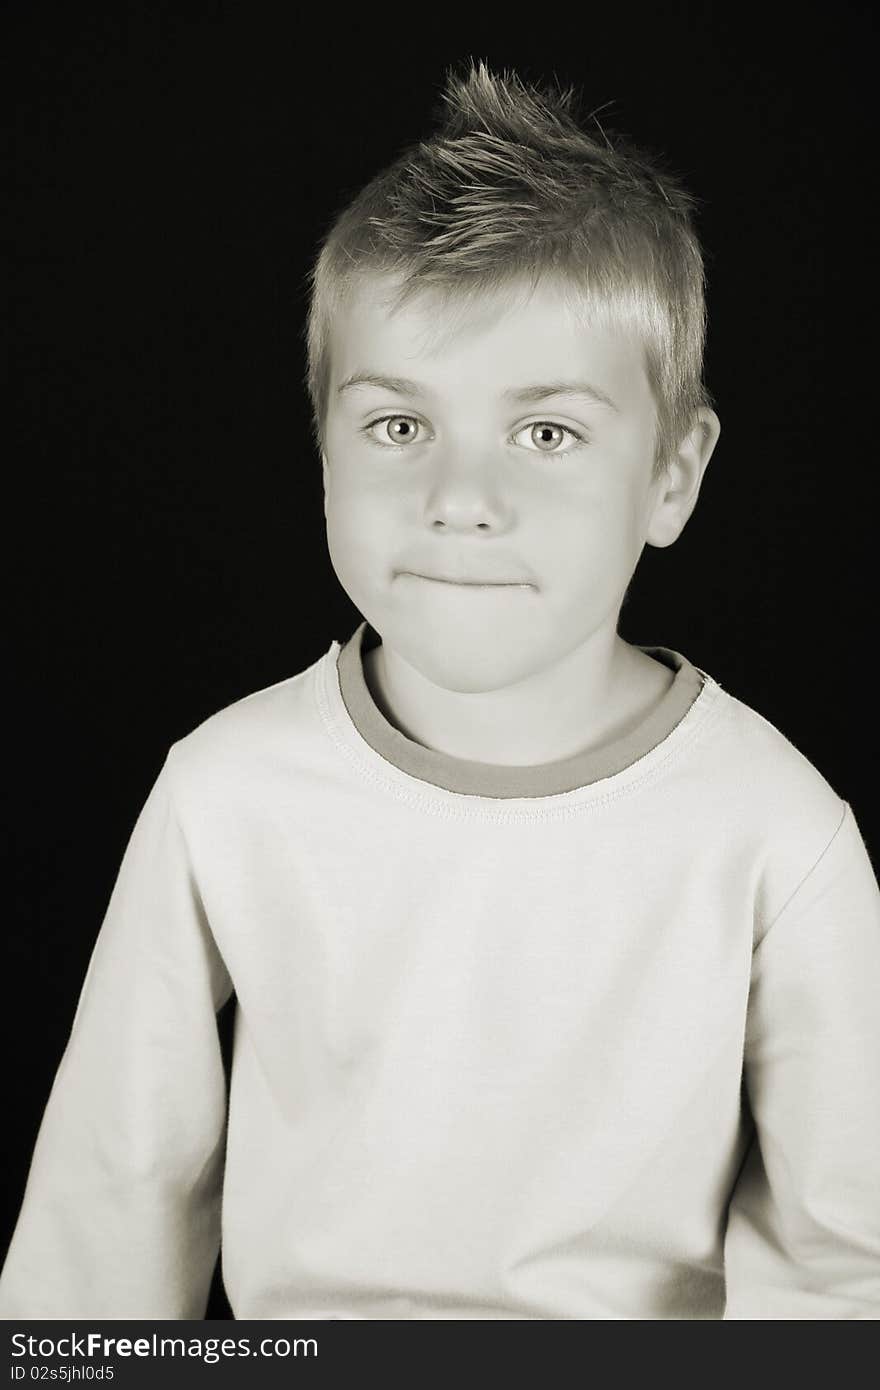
[594, 695]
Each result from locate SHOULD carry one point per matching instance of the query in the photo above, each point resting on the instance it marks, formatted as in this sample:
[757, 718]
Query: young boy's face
[539, 507]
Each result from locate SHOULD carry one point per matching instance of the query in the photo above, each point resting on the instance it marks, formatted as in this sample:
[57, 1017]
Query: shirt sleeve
[121, 1212]
[803, 1230]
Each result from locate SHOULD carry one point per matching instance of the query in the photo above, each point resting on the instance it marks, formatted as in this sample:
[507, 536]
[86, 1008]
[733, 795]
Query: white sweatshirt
[595, 1039]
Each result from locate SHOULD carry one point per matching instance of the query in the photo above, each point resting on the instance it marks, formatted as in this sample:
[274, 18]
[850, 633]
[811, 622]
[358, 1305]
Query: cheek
[358, 531]
[588, 549]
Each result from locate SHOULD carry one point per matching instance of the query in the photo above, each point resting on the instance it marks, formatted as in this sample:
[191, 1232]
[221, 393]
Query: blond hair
[512, 188]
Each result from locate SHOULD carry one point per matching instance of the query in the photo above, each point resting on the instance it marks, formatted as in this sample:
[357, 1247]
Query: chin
[471, 668]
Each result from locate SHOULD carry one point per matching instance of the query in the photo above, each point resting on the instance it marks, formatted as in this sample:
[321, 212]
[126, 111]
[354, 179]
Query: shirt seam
[802, 882]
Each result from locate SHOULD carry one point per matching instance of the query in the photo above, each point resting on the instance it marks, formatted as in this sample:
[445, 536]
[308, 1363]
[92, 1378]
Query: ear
[677, 491]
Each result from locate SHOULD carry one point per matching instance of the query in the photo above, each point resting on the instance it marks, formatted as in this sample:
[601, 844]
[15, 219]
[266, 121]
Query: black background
[172, 169]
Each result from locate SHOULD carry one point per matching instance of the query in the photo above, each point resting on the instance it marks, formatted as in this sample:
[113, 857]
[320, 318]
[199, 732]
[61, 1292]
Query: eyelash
[401, 415]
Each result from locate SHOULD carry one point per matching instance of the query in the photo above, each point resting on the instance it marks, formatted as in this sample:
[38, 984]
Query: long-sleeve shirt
[598, 1038]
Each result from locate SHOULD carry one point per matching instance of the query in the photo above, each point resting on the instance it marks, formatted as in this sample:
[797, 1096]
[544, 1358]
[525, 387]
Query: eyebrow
[538, 391]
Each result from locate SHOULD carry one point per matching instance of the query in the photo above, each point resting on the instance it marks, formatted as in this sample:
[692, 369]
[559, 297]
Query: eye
[403, 429]
[400, 429]
[546, 434]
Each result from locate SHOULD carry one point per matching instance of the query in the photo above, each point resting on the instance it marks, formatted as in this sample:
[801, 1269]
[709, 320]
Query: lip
[469, 583]
[463, 583]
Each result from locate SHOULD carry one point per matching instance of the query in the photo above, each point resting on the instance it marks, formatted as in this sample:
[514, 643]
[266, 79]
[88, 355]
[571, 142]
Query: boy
[555, 965]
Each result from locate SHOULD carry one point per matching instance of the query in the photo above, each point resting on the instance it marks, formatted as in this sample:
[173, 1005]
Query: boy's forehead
[530, 330]
[433, 315]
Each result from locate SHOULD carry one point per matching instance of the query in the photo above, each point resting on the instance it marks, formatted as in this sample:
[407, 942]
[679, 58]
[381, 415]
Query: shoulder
[243, 748]
[768, 799]
[765, 761]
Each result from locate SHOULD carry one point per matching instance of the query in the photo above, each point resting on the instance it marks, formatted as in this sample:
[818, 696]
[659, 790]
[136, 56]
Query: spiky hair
[509, 189]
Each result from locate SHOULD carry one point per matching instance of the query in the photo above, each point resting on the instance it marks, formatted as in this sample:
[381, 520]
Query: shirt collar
[491, 779]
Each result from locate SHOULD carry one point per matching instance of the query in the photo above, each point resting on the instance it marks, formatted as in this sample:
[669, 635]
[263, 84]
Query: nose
[464, 495]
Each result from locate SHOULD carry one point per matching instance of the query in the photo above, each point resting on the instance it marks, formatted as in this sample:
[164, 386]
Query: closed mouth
[473, 583]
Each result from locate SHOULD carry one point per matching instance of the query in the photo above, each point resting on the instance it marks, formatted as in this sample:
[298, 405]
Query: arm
[121, 1213]
[803, 1234]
